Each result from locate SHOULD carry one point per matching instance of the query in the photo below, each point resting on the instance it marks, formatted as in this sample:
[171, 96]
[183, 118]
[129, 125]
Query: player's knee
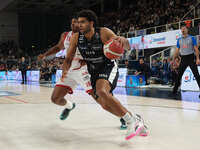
[105, 100]
[55, 99]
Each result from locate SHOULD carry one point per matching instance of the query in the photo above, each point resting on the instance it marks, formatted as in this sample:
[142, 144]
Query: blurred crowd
[135, 15]
[166, 70]
[143, 14]
[47, 68]
[162, 71]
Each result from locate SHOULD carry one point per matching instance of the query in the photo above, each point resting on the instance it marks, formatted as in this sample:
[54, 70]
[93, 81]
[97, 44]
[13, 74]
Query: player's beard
[88, 29]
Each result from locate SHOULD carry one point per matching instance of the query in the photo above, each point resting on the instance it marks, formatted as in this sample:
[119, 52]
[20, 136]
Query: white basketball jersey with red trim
[75, 63]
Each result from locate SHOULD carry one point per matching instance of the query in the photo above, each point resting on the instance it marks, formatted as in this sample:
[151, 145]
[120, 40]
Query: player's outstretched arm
[56, 48]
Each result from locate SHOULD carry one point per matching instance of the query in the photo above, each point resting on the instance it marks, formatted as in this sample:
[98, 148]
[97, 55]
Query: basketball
[112, 49]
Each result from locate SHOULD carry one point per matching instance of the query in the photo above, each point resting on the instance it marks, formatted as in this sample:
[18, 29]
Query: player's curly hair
[89, 15]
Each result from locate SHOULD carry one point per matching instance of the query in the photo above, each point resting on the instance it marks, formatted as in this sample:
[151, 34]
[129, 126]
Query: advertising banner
[164, 39]
[188, 82]
[3, 75]
[136, 42]
[122, 77]
[33, 75]
[14, 75]
[135, 81]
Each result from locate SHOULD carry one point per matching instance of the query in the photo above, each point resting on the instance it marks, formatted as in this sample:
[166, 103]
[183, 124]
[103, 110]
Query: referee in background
[186, 47]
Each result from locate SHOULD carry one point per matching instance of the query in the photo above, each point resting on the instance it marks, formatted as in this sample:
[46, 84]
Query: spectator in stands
[33, 66]
[169, 61]
[2, 64]
[165, 71]
[154, 68]
[169, 27]
[147, 14]
[53, 69]
[131, 28]
[2, 67]
[129, 68]
[143, 69]
[131, 31]
[132, 55]
[159, 66]
[157, 20]
[199, 28]
[174, 70]
[45, 73]
[198, 11]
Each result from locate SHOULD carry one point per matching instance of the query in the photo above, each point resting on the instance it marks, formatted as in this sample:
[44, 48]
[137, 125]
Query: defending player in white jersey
[78, 73]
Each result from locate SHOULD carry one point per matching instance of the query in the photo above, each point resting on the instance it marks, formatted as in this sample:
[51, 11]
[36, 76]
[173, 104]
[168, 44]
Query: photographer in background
[143, 69]
[44, 72]
[53, 73]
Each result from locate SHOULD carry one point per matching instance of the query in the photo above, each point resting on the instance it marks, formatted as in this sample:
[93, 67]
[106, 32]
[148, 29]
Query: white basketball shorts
[77, 77]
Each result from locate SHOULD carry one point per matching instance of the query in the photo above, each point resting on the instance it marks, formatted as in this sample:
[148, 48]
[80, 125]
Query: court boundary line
[154, 106]
[17, 100]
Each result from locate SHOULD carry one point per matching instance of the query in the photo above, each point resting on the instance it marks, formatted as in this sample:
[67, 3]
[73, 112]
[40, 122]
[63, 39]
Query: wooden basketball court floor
[29, 121]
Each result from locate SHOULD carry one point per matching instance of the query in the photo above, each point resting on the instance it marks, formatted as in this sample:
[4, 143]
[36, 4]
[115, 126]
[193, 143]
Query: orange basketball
[112, 49]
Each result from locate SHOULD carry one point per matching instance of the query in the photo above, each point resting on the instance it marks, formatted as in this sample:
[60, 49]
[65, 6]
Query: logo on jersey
[81, 39]
[90, 53]
[96, 48]
[185, 46]
[84, 48]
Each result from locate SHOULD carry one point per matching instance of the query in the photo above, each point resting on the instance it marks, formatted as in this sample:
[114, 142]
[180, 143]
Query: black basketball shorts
[109, 72]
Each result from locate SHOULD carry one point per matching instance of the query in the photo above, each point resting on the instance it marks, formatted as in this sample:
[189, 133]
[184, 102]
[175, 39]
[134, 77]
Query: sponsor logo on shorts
[86, 78]
[103, 75]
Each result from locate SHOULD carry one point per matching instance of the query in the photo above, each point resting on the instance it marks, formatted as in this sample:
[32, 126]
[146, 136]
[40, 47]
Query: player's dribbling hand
[41, 56]
[198, 61]
[120, 39]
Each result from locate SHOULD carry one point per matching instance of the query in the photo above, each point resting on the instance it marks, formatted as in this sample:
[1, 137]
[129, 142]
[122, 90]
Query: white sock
[68, 105]
[128, 118]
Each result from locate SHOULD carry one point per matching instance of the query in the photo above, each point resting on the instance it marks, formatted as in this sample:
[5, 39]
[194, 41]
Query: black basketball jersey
[92, 52]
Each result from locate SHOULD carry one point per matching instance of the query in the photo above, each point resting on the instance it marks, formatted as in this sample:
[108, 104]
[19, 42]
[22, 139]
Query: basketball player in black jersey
[60, 91]
[103, 71]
